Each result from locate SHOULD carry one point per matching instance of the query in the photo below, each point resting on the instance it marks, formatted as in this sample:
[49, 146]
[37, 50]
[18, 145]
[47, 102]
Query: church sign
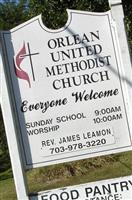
[111, 189]
[67, 87]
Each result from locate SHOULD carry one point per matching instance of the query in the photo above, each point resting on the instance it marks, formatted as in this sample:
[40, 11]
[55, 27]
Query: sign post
[13, 141]
[118, 16]
[69, 97]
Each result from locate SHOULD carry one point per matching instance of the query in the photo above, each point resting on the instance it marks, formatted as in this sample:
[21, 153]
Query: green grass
[6, 174]
[7, 190]
[51, 177]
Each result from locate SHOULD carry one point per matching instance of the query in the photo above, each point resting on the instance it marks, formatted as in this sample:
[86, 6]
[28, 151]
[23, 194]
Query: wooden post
[118, 16]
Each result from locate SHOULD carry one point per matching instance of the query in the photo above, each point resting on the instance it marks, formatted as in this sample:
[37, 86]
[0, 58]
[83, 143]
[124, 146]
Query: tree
[54, 12]
[128, 20]
[12, 13]
[4, 154]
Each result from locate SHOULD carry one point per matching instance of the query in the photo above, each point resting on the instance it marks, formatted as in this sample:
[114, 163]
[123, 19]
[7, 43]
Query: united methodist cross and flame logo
[24, 52]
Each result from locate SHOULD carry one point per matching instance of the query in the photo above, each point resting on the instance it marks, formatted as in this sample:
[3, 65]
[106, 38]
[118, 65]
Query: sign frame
[11, 125]
[18, 167]
[117, 188]
[106, 151]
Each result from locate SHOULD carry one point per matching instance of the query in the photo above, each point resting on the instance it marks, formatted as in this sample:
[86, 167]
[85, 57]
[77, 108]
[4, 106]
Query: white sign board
[112, 189]
[67, 87]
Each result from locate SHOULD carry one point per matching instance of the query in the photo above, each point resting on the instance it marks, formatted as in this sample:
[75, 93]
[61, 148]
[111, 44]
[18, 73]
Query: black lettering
[52, 44]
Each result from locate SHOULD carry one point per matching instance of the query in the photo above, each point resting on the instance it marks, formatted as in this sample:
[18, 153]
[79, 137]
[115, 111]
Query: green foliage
[3, 145]
[127, 4]
[12, 13]
[4, 154]
[6, 174]
[67, 170]
[54, 12]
